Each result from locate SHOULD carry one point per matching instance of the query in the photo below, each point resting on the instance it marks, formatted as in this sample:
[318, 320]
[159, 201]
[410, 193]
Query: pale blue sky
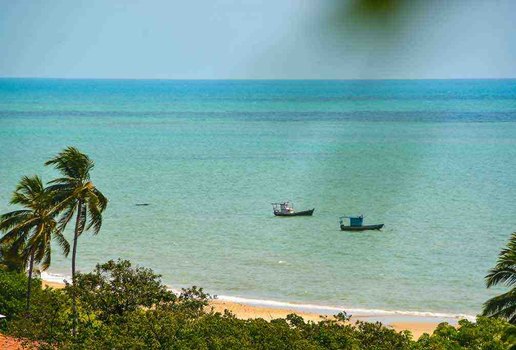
[267, 39]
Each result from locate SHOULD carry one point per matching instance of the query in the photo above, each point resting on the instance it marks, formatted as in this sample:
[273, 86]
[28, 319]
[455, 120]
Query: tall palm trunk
[29, 283]
[76, 234]
[76, 237]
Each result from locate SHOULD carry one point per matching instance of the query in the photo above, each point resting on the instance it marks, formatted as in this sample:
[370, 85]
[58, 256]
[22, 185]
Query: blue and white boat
[356, 223]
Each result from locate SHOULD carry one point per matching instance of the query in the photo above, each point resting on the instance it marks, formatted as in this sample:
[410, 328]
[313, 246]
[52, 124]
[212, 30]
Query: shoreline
[244, 311]
[357, 313]
[417, 323]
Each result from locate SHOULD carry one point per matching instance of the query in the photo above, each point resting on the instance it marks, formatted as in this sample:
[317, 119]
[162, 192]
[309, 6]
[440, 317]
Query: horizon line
[252, 79]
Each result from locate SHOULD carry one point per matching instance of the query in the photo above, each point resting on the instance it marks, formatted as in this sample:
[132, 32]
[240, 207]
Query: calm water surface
[433, 160]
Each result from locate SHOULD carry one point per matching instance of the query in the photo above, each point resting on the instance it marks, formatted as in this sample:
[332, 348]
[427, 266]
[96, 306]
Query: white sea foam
[313, 308]
[54, 277]
[331, 310]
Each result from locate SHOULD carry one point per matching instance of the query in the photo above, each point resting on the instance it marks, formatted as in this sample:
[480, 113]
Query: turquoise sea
[434, 160]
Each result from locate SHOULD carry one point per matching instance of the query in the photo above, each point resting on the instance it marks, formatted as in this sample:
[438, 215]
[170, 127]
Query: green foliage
[48, 321]
[509, 336]
[504, 273]
[485, 333]
[192, 301]
[74, 192]
[116, 288]
[13, 291]
[11, 259]
[126, 307]
[376, 336]
[28, 232]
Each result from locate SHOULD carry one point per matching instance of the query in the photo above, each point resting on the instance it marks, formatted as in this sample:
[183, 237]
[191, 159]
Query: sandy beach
[267, 313]
[243, 311]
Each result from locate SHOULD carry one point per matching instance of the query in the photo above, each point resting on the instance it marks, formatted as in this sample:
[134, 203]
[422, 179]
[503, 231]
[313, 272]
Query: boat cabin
[354, 221]
[283, 208]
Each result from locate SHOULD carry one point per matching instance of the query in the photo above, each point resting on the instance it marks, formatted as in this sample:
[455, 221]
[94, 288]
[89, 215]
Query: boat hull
[361, 228]
[296, 213]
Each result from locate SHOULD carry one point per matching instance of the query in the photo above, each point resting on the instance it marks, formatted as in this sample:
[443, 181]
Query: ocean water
[435, 161]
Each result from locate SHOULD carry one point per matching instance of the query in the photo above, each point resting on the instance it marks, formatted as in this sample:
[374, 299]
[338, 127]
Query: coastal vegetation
[29, 231]
[121, 306]
[75, 193]
[504, 273]
[125, 307]
[46, 212]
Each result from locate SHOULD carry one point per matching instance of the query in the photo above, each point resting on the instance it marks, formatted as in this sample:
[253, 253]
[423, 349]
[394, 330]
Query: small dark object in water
[141, 204]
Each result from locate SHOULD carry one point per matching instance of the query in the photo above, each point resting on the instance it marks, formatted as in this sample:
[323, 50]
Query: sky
[266, 39]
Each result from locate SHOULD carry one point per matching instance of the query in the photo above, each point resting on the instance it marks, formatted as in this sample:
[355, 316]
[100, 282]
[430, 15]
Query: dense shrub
[122, 307]
[13, 292]
[116, 288]
[486, 333]
[48, 321]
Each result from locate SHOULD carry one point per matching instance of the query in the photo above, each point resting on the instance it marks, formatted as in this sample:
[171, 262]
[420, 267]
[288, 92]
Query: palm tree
[503, 305]
[76, 194]
[29, 231]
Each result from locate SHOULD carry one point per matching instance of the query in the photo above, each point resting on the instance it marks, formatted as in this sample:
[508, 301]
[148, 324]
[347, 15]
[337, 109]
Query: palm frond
[102, 200]
[28, 190]
[30, 185]
[82, 220]
[61, 193]
[501, 275]
[14, 213]
[29, 232]
[63, 243]
[95, 213]
[38, 248]
[66, 216]
[72, 163]
[21, 249]
[10, 220]
[12, 236]
[63, 181]
[21, 229]
[35, 242]
[505, 270]
[47, 257]
[502, 306]
[61, 187]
